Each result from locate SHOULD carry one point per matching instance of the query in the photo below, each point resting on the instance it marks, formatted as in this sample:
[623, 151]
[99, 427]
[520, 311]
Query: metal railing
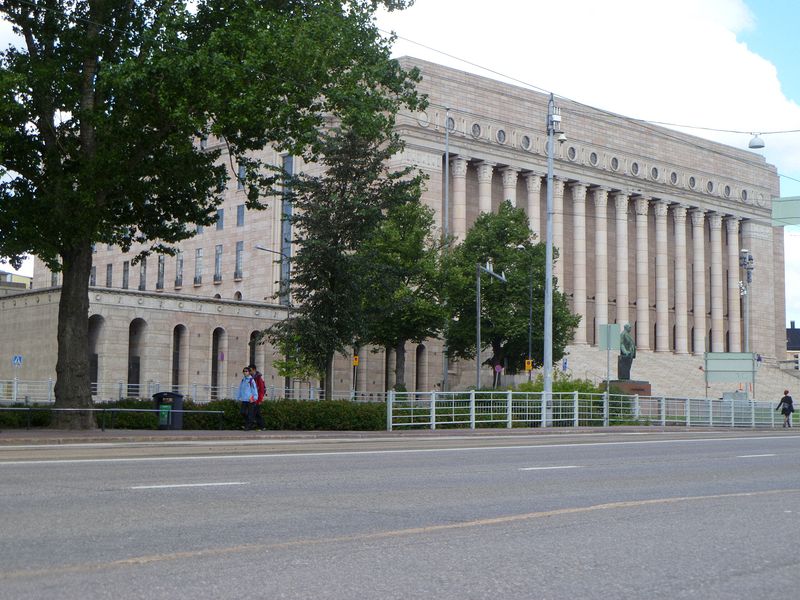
[18, 391]
[571, 409]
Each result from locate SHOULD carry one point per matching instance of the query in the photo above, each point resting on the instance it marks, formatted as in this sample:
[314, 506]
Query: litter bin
[170, 407]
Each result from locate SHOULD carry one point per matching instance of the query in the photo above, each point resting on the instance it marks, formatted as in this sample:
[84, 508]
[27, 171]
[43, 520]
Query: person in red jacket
[256, 418]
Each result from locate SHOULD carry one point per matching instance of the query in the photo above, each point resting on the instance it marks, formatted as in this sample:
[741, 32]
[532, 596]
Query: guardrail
[112, 412]
[18, 391]
[573, 409]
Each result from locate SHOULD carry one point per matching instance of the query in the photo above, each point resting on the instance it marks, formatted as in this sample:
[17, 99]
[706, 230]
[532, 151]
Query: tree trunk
[329, 378]
[73, 387]
[400, 366]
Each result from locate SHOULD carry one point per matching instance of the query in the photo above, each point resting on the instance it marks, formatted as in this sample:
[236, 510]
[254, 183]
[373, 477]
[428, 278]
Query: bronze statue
[627, 352]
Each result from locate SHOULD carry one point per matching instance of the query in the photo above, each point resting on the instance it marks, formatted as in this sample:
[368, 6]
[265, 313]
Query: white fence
[514, 409]
[16, 391]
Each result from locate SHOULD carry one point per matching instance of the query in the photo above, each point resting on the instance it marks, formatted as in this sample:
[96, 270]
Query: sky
[719, 64]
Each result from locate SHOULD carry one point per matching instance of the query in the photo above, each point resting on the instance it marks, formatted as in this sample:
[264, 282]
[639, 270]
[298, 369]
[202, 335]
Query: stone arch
[180, 357]
[219, 347]
[237, 296]
[96, 339]
[137, 333]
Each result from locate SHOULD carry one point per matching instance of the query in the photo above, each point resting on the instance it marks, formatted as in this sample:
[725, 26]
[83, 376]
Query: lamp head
[756, 143]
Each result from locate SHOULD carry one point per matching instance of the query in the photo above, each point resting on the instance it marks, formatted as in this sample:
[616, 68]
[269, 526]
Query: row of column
[578, 258]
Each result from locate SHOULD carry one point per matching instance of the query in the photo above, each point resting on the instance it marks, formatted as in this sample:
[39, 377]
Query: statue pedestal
[630, 387]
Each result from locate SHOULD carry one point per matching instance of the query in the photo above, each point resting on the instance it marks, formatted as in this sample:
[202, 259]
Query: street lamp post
[553, 122]
[446, 230]
[502, 277]
[284, 295]
[746, 262]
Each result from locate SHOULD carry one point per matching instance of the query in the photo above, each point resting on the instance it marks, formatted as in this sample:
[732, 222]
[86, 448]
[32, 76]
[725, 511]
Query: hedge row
[297, 415]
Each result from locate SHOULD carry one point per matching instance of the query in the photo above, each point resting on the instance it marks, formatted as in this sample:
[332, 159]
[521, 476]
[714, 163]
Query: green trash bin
[170, 410]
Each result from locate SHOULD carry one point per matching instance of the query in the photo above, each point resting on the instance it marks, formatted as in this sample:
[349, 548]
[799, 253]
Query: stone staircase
[679, 375]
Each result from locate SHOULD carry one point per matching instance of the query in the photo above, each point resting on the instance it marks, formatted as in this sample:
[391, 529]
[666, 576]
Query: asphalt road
[702, 515]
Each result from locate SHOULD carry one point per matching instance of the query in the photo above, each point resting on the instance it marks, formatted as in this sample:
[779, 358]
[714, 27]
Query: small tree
[504, 239]
[336, 212]
[402, 293]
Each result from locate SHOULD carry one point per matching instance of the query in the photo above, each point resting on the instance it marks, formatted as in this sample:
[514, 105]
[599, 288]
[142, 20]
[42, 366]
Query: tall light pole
[746, 262]
[446, 229]
[285, 291]
[553, 122]
[502, 277]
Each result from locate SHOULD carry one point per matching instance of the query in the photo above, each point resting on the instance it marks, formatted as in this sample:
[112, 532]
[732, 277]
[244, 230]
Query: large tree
[335, 211]
[505, 240]
[102, 105]
[403, 291]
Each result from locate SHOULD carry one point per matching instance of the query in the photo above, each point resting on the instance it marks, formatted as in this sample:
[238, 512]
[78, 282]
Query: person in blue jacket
[247, 395]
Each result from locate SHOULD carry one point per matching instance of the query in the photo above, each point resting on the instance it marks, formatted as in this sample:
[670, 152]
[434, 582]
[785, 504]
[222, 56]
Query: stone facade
[649, 224]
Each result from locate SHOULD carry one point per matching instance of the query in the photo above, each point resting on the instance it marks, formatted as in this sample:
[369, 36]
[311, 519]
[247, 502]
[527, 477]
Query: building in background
[649, 224]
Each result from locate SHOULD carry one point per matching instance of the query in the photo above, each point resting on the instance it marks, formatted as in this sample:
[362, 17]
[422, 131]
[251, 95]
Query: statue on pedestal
[627, 352]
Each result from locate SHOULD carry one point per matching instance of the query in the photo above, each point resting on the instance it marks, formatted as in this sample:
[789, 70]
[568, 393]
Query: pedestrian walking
[247, 395]
[786, 406]
[256, 418]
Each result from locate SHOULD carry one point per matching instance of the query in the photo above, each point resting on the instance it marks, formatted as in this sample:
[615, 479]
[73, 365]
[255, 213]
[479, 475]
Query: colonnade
[660, 272]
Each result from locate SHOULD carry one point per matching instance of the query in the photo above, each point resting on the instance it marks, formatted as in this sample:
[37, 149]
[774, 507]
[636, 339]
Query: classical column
[600, 256]
[485, 170]
[510, 184]
[699, 280]
[717, 321]
[458, 170]
[734, 314]
[662, 278]
[621, 222]
[579, 258]
[534, 185]
[558, 228]
[642, 205]
[681, 282]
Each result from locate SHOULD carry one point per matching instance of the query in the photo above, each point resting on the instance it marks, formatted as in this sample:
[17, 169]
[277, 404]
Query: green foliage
[504, 239]
[102, 110]
[562, 382]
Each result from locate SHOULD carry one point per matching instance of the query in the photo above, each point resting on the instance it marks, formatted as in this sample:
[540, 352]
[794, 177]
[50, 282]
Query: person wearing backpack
[247, 395]
[256, 418]
[786, 406]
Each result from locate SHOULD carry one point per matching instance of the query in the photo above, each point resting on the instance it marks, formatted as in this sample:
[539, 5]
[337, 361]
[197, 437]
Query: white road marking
[375, 452]
[755, 455]
[550, 468]
[186, 485]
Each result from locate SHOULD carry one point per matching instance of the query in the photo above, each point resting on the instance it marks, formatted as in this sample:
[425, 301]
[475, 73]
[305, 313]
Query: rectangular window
[93, 276]
[109, 275]
[198, 266]
[126, 274]
[143, 274]
[199, 229]
[220, 219]
[179, 269]
[218, 263]
[240, 177]
[53, 279]
[240, 215]
[237, 273]
[160, 280]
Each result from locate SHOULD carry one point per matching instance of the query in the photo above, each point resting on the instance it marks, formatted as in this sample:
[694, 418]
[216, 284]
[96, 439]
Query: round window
[673, 177]
[744, 195]
[727, 191]
[525, 142]
[692, 182]
[593, 158]
[422, 119]
[710, 187]
[654, 173]
[501, 136]
[451, 124]
[615, 163]
[572, 153]
[635, 168]
[476, 130]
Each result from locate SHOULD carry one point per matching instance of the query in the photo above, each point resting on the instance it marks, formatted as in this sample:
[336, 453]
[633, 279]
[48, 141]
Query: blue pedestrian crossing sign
[17, 360]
